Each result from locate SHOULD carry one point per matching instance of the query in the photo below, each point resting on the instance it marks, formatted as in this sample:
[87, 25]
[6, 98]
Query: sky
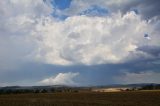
[79, 42]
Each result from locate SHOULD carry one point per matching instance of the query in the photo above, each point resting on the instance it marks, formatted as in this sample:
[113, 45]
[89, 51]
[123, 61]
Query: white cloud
[142, 77]
[76, 40]
[61, 79]
[19, 17]
[91, 40]
[17, 21]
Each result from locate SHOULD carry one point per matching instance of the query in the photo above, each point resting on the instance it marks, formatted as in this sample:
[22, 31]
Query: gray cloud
[151, 50]
[88, 75]
[142, 77]
[146, 8]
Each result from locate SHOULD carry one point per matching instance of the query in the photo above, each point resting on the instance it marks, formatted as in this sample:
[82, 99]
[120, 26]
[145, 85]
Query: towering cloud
[76, 40]
[61, 79]
[92, 40]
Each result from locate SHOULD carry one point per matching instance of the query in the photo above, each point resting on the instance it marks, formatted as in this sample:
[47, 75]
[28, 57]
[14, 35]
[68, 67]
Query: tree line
[22, 91]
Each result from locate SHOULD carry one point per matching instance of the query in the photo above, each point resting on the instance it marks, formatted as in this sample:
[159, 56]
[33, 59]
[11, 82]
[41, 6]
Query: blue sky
[93, 10]
[79, 42]
[61, 4]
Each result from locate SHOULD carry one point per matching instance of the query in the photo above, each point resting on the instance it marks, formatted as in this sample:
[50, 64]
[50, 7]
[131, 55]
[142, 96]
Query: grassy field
[139, 98]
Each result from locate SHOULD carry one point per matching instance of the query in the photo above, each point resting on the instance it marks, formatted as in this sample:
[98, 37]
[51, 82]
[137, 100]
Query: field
[135, 98]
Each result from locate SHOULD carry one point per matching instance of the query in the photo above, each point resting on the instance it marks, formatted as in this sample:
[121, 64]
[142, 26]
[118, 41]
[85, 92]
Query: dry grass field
[135, 98]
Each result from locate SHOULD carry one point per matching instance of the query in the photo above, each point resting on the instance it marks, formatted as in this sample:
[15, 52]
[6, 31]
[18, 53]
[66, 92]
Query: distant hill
[64, 88]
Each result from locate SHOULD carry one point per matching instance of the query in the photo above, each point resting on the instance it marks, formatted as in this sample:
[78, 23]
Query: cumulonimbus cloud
[91, 40]
[75, 40]
[30, 31]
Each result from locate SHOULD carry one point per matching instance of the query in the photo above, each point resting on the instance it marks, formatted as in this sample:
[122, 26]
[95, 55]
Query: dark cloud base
[89, 74]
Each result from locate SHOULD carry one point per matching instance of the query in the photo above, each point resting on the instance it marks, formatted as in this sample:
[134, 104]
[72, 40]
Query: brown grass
[137, 98]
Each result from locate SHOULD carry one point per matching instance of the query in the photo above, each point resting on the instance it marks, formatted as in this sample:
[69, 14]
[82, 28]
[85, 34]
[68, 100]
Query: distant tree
[148, 87]
[52, 90]
[157, 86]
[8, 91]
[2, 91]
[43, 91]
[37, 91]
